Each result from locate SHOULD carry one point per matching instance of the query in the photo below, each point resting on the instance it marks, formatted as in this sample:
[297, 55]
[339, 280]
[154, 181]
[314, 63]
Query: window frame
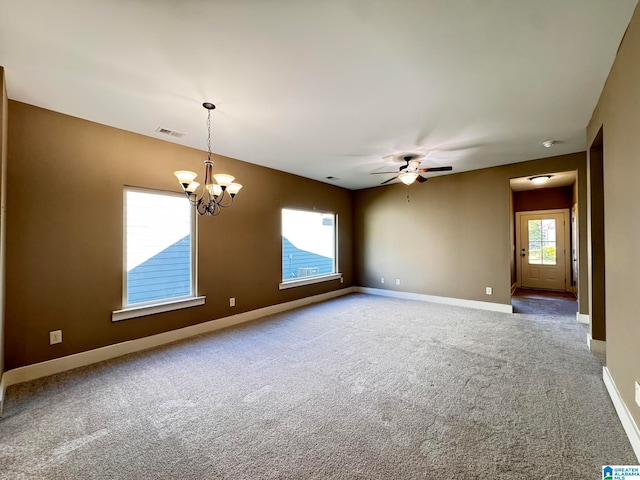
[310, 280]
[162, 305]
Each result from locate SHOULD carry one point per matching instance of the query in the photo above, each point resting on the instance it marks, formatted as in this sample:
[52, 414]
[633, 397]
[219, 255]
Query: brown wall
[65, 222]
[597, 236]
[452, 238]
[512, 241]
[4, 107]
[618, 114]
[543, 199]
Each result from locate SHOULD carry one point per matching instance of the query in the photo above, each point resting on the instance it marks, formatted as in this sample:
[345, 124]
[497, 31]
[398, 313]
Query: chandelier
[219, 189]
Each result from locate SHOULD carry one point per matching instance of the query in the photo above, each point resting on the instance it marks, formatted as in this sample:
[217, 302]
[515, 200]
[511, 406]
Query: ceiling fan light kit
[410, 171]
[219, 189]
[408, 177]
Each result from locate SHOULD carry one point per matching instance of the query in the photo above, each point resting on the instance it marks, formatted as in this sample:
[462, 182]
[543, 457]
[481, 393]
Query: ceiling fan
[411, 171]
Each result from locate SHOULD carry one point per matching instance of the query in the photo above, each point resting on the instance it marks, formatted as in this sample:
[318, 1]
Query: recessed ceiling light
[549, 143]
[540, 179]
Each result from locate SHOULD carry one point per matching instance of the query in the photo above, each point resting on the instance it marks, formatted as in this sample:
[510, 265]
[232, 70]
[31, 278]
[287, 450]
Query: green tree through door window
[542, 241]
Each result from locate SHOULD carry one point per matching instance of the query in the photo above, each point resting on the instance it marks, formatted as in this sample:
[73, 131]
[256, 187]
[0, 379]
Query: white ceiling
[324, 88]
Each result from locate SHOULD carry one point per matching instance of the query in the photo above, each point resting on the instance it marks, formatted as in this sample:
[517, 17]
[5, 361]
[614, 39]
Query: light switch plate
[55, 337]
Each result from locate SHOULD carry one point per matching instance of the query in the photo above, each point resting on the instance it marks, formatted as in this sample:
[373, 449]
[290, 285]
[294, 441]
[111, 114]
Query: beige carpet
[358, 387]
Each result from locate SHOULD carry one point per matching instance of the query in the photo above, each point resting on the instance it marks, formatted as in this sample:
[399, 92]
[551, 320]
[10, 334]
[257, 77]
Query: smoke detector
[549, 143]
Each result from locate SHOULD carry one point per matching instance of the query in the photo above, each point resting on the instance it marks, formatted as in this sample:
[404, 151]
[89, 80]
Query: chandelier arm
[227, 205]
[201, 207]
[193, 199]
[213, 209]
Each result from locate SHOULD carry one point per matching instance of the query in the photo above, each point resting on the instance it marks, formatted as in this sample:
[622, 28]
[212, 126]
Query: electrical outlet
[55, 337]
[341, 280]
[638, 393]
[397, 281]
[381, 279]
[489, 291]
[232, 302]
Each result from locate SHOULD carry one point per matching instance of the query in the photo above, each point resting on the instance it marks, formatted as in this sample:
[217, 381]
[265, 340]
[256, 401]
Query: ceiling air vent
[172, 133]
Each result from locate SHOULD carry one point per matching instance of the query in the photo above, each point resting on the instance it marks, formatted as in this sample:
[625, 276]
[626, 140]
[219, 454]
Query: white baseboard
[62, 364]
[458, 302]
[582, 318]
[629, 425]
[598, 346]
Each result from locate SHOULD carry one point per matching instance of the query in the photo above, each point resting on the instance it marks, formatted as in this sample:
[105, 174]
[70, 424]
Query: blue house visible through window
[158, 247]
[308, 244]
[297, 263]
[165, 275]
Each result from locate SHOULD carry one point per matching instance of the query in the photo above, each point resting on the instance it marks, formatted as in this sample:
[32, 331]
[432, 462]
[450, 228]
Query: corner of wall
[3, 388]
[596, 346]
[629, 425]
[3, 213]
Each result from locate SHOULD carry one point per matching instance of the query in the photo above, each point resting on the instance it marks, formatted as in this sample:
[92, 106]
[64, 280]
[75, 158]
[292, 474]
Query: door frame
[575, 248]
[566, 232]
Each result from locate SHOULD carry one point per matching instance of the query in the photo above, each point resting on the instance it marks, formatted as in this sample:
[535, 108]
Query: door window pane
[542, 241]
[535, 230]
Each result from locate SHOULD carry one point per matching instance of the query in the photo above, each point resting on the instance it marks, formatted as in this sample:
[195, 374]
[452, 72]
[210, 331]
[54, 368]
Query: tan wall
[64, 224]
[4, 107]
[453, 238]
[618, 112]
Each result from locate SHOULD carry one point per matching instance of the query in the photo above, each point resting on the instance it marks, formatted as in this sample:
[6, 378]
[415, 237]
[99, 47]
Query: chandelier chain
[209, 133]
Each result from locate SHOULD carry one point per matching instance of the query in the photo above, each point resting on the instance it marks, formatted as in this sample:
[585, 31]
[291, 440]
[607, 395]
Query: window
[159, 252]
[308, 247]
[542, 242]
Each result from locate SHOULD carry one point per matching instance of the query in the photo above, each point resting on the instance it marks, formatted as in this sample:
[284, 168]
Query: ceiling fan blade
[381, 173]
[391, 179]
[436, 169]
[421, 179]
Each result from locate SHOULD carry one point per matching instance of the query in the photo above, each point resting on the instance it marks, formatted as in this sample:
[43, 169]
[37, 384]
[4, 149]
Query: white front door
[542, 250]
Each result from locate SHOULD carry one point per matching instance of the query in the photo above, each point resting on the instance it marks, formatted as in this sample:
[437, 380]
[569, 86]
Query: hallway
[544, 302]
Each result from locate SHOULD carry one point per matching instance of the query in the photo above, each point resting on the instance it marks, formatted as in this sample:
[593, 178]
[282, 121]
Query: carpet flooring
[360, 387]
[544, 302]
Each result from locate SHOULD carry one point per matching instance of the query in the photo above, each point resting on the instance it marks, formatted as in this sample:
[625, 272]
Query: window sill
[144, 310]
[309, 281]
